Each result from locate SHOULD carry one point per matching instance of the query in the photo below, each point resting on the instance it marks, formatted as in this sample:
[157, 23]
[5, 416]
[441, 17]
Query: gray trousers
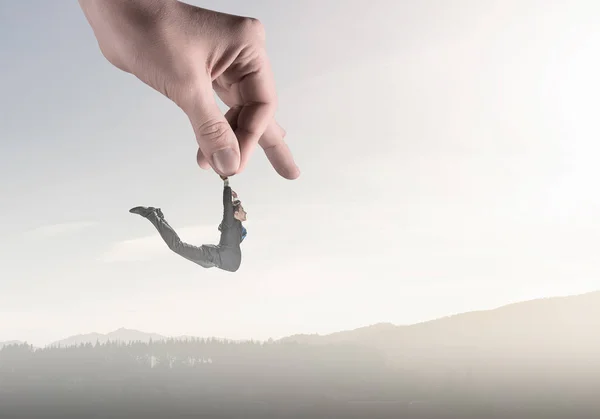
[227, 258]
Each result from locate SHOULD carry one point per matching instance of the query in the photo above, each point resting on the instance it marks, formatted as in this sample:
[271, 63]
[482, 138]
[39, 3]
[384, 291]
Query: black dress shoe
[143, 211]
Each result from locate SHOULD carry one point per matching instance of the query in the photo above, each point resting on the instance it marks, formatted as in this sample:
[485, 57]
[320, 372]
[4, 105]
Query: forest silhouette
[553, 372]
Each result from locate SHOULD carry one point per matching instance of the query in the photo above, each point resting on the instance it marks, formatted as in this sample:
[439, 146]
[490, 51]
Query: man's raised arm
[227, 205]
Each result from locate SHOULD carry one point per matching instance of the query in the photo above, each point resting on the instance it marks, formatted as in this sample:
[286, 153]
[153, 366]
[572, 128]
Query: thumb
[214, 135]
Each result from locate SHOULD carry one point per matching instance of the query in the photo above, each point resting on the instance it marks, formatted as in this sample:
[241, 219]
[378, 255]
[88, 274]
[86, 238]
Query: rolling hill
[559, 330]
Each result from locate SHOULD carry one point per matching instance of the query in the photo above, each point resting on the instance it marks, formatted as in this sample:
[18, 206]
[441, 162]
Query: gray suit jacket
[230, 227]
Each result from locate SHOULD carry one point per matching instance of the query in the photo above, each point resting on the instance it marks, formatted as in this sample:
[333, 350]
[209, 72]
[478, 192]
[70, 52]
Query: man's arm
[227, 206]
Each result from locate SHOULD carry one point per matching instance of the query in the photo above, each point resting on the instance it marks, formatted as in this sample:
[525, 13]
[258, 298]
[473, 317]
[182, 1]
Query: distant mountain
[548, 327]
[119, 335]
[556, 328]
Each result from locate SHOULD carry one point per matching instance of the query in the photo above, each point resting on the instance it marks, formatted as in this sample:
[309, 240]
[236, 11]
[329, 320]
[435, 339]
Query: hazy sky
[448, 154]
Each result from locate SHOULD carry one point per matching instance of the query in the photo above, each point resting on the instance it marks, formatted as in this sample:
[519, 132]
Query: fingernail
[225, 161]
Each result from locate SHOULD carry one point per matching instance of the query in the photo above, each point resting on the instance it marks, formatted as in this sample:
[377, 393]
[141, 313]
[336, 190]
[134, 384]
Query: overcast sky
[448, 154]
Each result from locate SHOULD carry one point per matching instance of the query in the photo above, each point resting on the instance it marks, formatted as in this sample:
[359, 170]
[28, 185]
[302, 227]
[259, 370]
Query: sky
[448, 154]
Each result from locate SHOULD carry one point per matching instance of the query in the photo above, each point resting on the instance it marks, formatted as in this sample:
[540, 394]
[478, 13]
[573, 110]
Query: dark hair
[236, 205]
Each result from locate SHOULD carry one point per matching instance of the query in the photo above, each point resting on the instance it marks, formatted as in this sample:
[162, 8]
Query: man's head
[238, 211]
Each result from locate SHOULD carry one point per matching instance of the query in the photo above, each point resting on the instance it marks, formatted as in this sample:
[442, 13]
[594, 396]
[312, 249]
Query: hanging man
[227, 255]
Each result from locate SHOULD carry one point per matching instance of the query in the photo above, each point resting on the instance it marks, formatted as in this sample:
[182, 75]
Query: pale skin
[240, 214]
[187, 53]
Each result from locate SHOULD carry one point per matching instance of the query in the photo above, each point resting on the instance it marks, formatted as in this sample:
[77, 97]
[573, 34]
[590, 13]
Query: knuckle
[253, 28]
[213, 133]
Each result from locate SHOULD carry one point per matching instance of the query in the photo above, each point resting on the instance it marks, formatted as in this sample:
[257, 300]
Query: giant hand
[187, 53]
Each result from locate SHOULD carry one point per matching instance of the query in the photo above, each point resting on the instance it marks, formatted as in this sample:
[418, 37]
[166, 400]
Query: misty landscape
[419, 217]
[535, 359]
